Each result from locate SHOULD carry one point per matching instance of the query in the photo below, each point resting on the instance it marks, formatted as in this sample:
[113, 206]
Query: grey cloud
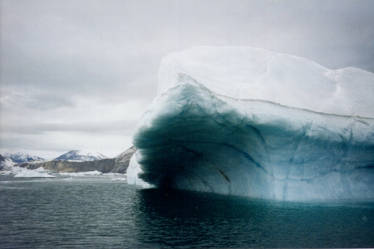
[15, 99]
[105, 48]
[334, 33]
[112, 127]
[72, 49]
[81, 47]
[48, 101]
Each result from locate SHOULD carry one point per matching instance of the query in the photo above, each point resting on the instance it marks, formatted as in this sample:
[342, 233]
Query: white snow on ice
[254, 73]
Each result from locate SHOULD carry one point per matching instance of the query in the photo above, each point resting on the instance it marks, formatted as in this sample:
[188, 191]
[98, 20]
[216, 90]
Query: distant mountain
[80, 156]
[5, 162]
[118, 164]
[21, 157]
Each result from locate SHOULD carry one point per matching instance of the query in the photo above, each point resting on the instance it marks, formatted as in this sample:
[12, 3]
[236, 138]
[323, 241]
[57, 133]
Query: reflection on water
[100, 212]
[180, 218]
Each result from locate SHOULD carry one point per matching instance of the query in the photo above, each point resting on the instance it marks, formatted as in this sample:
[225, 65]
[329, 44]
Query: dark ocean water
[100, 212]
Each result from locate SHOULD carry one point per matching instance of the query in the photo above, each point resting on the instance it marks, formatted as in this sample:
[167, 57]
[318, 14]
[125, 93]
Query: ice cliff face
[251, 122]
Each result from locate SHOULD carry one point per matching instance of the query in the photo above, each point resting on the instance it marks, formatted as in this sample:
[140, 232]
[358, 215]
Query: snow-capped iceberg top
[253, 73]
[80, 156]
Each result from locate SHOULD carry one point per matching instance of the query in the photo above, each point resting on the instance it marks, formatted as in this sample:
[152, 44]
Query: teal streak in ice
[310, 140]
[206, 143]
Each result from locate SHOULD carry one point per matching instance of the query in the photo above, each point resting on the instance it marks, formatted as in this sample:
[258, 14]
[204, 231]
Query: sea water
[106, 212]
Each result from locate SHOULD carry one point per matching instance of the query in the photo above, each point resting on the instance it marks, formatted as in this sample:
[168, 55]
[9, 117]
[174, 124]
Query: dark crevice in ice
[243, 153]
[224, 176]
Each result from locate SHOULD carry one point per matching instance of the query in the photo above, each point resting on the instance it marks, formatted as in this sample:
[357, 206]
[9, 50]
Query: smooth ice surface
[251, 122]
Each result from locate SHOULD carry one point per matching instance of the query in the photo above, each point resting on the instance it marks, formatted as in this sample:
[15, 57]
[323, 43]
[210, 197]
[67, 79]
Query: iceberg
[252, 122]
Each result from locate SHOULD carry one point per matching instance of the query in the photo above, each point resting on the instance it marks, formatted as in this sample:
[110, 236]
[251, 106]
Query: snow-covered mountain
[9, 168]
[80, 156]
[21, 157]
[5, 162]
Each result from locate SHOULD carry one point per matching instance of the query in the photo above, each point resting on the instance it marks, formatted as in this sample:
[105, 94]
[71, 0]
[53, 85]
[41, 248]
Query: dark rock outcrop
[122, 161]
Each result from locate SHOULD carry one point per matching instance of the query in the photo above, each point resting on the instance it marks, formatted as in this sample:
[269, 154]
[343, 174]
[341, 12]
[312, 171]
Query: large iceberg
[252, 122]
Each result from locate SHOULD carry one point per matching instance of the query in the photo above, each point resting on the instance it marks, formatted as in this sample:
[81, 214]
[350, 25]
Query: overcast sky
[77, 74]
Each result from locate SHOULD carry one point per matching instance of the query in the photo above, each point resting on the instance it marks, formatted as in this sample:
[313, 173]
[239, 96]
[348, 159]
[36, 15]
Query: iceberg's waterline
[195, 137]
